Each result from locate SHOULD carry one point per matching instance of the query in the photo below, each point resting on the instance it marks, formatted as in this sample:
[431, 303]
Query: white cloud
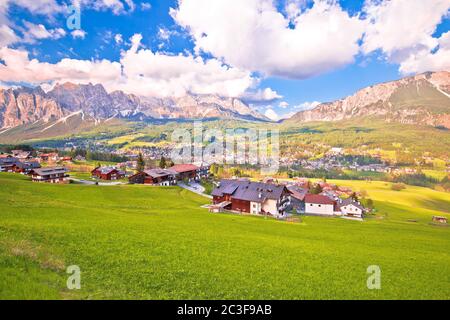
[145, 6]
[7, 36]
[260, 39]
[33, 32]
[78, 33]
[293, 8]
[44, 7]
[139, 71]
[117, 7]
[426, 60]
[307, 105]
[402, 26]
[283, 104]
[272, 115]
[165, 34]
[261, 96]
[118, 38]
[19, 68]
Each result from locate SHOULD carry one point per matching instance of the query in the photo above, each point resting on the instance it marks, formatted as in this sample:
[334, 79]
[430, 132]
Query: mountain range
[24, 106]
[421, 99]
[69, 108]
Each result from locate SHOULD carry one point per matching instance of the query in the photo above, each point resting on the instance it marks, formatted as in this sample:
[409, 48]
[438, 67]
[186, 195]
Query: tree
[162, 163]
[140, 163]
[316, 189]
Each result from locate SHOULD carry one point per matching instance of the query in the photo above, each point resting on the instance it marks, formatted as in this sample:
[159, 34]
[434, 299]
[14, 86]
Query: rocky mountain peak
[420, 99]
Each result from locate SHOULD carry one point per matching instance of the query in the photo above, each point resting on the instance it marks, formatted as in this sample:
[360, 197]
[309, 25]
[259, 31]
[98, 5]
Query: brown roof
[180, 168]
[318, 199]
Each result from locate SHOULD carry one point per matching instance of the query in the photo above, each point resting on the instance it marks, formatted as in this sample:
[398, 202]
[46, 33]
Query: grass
[139, 242]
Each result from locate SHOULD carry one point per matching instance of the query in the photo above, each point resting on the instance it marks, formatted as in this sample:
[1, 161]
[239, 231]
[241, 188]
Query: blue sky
[281, 63]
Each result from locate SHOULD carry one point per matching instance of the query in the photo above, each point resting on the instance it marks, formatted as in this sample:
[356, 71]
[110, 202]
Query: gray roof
[8, 161]
[49, 170]
[349, 201]
[28, 165]
[248, 190]
[158, 173]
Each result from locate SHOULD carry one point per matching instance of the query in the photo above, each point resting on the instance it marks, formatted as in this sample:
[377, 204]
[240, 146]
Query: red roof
[318, 199]
[180, 168]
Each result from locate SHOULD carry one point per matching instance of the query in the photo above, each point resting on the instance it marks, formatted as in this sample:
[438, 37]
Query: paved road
[195, 187]
[91, 183]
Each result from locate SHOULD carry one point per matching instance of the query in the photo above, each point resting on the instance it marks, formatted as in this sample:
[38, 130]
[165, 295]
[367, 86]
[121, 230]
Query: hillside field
[139, 242]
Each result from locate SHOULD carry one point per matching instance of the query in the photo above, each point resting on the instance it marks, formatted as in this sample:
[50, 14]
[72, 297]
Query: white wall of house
[270, 206]
[323, 209]
[255, 208]
[351, 210]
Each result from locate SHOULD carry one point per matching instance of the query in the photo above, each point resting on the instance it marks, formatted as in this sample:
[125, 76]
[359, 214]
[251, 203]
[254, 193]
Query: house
[316, 204]
[21, 155]
[7, 163]
[49, 175]
[251, 197]
[351, 208]
[186, 171]
[297, 198]
[107, 173]
[25, 167]
[49, 157]
[160, 177]
[66, 159]
[202, 171]
[440, 219]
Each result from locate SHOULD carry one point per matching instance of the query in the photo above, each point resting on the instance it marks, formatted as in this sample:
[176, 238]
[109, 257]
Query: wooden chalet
[251, 197]
[7, 163]
[25, 167]
[49, 175]
[186, 171]
[107, 173]
[160, 177]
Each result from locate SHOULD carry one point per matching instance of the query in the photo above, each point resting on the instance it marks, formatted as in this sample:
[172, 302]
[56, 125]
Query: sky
[279, 56]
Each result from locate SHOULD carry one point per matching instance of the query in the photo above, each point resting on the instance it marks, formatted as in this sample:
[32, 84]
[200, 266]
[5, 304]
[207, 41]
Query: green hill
[137, 242]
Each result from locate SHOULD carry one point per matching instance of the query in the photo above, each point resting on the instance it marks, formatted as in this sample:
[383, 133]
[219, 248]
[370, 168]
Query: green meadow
[138, 242]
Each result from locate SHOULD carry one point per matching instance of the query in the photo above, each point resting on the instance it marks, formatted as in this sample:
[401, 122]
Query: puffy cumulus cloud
[17, 67]
[403, 30]
[260, 38]
[152, 73]
[401, 26]
[139, 71]
[426, 60]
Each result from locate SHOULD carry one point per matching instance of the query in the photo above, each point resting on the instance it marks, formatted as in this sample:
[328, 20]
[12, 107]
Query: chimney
[260, 195]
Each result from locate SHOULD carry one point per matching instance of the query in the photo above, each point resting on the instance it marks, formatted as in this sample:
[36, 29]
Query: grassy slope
[147, 243]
